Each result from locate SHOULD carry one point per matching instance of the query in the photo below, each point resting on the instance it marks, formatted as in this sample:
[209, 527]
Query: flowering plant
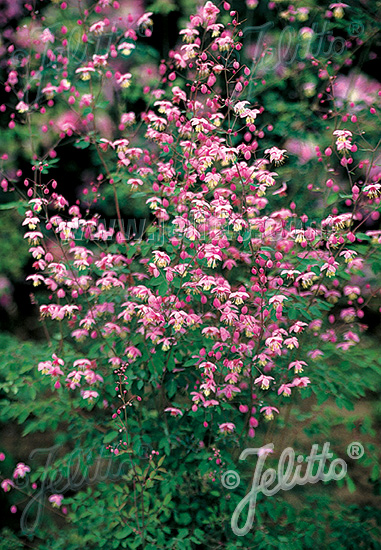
[191, 338]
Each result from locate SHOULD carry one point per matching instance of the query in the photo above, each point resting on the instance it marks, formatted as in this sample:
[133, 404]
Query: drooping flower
[7, 485]
[276, 155]
[89, 394]
[227, 427]
[269, 412]
[173, 411]
[264, 381]
[56, 500]
[124, 80]
[343, 141]
[21, 470]
[85, 72]
[285, 390]
[301, 382]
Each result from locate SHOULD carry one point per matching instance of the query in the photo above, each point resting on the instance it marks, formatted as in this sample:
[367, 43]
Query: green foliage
[177, 499]
[14, 250]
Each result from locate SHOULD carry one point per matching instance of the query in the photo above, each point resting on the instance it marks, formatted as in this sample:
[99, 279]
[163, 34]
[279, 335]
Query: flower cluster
[225, 302]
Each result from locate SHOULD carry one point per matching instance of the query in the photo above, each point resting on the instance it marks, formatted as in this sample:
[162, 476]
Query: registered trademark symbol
[356, 28]
[355, 450]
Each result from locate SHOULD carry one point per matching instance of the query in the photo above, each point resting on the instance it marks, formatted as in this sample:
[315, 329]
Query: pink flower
[229, 391]
[264, 451]
[315, 353]
[338, 9]
[298, 327]
[301, 382]
[56, 500]
[285, 390]
[124, 80]
[343, 141]
[276, 155]
[264, 381]
[89, 394]
[277, 300]
[274, 343]
[22, 107]
[269, 412]
[227, 427]
[97, 28]
[352, 337]
[210, 12]
[352, 292]
[145, 20]
[49, 91]
[197, 397]
[373, 190]
[33, 237]
[21, 470]
[161, 259]
[132, 352]
[291, 343]
[348, 315]
[7, 484]
[46, 36]
[297, 366]
[85, 72]
[173, 411]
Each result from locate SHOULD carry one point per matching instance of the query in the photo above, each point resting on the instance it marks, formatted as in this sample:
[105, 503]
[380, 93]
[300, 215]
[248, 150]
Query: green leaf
[102, 104]
[163, 288]
[111, 436]
[123, 533]
[13, 204]
[82, 144]
[184, 519]
[332, 199]
[171, 388]
[350, 484]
